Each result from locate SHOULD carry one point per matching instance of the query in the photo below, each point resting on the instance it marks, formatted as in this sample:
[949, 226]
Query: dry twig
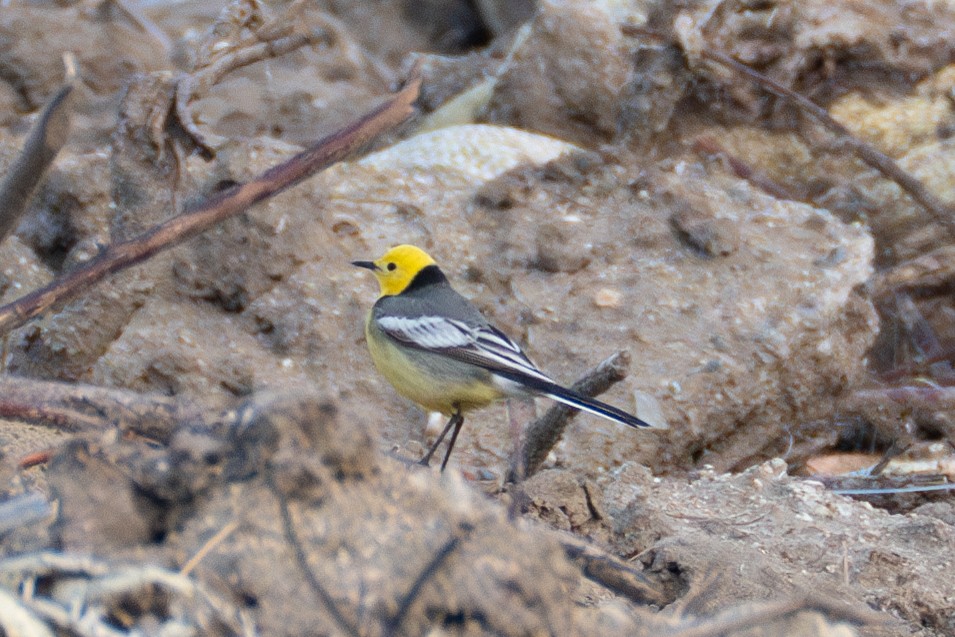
[613, 573]
[208, 547]
[216, 209]
[276, 37]
[545, 432]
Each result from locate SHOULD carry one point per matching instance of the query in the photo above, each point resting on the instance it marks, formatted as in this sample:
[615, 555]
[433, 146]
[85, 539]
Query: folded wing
[483, 345]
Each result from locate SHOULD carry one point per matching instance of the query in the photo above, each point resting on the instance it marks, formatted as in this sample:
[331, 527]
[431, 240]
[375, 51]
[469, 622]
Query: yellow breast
[435, 382]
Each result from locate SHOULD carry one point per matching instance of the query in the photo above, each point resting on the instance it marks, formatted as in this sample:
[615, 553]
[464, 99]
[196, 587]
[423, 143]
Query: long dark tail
[581, 402]
[572, 399]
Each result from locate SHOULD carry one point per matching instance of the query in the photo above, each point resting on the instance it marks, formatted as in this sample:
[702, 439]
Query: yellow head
[396, 269]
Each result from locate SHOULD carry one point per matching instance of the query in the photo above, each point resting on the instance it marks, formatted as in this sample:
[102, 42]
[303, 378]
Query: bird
[437, 349]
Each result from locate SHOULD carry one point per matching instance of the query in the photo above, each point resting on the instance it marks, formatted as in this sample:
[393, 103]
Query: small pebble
[607, 297]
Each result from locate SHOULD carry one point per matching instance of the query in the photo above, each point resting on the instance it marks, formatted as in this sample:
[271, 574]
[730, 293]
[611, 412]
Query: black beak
[370, 265]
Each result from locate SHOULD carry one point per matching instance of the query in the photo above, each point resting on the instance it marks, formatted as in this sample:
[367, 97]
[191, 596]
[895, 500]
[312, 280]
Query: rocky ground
[199, 444]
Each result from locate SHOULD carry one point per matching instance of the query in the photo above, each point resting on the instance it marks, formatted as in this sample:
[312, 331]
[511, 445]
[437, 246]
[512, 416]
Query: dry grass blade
[208, 547]
[545, 432]
[46, 138]
[866, 152]
[216, 209]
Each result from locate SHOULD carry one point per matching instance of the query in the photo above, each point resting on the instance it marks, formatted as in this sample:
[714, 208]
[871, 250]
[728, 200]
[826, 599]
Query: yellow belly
[433, 381]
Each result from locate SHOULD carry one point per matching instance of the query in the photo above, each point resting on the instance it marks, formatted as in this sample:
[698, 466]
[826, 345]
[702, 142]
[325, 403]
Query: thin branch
[276, 37]
[216, 209]
[899, 490]
[875, 158]
[545, 432]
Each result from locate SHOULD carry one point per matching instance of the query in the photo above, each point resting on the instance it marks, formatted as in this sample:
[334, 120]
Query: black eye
[391, 266]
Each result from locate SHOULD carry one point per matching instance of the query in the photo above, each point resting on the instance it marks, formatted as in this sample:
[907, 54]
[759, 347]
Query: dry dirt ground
[200, 445]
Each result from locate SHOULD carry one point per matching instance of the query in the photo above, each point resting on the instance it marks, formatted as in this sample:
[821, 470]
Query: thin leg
[454, 438]
[427, 457]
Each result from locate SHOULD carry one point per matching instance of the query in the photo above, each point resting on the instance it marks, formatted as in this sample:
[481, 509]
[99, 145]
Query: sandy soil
[595, 183]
